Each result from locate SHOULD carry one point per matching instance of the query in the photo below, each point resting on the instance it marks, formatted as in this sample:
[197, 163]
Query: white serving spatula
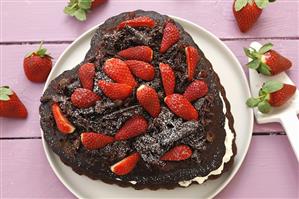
[286, 114]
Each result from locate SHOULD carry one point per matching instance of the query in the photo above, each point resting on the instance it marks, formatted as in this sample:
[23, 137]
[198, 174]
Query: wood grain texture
[12, 74]
[270, 170]
[44, 19]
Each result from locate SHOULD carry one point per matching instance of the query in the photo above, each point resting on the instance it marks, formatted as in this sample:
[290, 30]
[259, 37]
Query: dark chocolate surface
[205, 137]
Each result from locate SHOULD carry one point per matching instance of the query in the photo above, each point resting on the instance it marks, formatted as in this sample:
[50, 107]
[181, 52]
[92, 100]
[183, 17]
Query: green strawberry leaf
[84, 4]
[252, 102]
[80, 14]
[70, 10]
[262, 3]
[239, 4]
[5, 92]
[272, 86]
[264, 69]
[265, 48]
[248, 53]
[254, 64]
[264, 107]
[271, 1]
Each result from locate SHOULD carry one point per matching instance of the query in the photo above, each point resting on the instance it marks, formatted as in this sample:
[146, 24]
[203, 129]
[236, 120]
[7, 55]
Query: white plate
[232, 78]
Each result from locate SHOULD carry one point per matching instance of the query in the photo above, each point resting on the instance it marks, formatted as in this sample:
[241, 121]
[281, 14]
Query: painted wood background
[270, 169]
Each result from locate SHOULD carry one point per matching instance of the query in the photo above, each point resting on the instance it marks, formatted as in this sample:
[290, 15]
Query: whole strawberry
[267, 61]
[10, 104]
[247, 12]
[37, 65]
[272, 94]
[79, 8]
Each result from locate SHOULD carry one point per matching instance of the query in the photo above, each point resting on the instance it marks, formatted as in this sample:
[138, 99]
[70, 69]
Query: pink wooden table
[270, 168]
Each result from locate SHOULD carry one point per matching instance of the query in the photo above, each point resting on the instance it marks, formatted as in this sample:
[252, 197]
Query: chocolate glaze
[205, 137]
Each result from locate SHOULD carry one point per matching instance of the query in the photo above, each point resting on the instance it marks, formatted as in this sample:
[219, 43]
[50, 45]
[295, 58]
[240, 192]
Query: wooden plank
[270, 170]
[12, 74]
[44, 19]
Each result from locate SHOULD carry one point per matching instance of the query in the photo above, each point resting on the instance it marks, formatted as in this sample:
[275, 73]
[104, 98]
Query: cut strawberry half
[141, 53]
[141, 69]
[196, 90]
[149, 100]
[62, 123]
[126, 165]
[133, 127]
[171, 35]
[84, 98]
[168, 78]
[177, 153]
[181, 107]
[115, 91]
[92, 140]
[86, 75]
[192, 59]
[143, 21]
[118, 71]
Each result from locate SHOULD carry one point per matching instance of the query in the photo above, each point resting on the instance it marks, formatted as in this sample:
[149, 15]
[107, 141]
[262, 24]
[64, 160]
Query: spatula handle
[290, 124]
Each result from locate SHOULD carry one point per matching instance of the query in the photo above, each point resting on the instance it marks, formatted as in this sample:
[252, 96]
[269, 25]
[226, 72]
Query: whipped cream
[227, 156]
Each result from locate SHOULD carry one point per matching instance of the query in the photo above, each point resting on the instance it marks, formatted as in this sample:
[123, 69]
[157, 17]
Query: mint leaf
[254, 64]
[262, 3]
[239, 4]
[264, 69]
[272, 86]
[252, 102]
[265, 48]
[264, 107]
[84, 4]
[80, 14]
[4, 93]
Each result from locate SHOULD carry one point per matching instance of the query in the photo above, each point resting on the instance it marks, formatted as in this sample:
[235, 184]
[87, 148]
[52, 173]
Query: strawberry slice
[84, 98]
[177, 153]
[168, 78]
[181, 107]
[192, 58]
[143, 21]
[142, 70]
[115, 91]
[126, 165]
[267, 61]
[133, 127]
[118, 71]
[141, 53]
[149, 100]
[86, 75]
[62, 123]
[196, 90]
[92, 140]
[171, 35]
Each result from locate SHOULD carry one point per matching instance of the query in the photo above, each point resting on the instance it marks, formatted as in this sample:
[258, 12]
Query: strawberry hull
[165, 130]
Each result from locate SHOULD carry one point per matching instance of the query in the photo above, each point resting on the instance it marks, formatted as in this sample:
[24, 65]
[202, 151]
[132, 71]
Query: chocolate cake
[144, 108]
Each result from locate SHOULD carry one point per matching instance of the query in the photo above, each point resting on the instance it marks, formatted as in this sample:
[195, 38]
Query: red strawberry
[84, 98]
[272, 94]
[62, 123]
[181, 107]
[267, 61]
[143, 70]
[171, 35]
[37, 65]
[79, 8]
[10, 104]
[133, 127]
[115, 91]
[142, 53]
[177, 153]
[126, 165]
[168, 78]
[247, 12]
[86, 75]
[149, 100]
[118, 71]
[92, 140]
[195, 90]
[143, 21]
[192, 59]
